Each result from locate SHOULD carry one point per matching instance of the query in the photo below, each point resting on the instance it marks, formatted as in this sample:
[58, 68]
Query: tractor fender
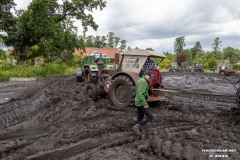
[134, 76]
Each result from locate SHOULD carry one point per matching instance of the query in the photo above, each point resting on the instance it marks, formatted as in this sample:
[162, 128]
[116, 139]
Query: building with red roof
[110, 52]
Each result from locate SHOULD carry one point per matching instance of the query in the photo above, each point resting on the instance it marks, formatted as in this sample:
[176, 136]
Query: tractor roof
[142, 52]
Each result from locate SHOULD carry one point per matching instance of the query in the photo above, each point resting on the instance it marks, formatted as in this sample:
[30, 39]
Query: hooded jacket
[141, 92]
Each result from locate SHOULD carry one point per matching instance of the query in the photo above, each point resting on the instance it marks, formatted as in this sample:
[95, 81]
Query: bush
[49, 69]
[4, 66]
[44, 70]
[211, 63]
[236, 66]
[4, 76]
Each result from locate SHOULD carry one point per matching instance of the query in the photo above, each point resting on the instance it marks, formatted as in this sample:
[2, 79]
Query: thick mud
[51, 119]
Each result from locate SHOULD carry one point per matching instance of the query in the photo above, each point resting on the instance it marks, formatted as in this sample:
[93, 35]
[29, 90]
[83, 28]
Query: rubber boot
[136, 129]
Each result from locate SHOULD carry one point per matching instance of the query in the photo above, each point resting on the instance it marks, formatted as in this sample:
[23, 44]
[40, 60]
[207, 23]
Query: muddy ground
[51, 119]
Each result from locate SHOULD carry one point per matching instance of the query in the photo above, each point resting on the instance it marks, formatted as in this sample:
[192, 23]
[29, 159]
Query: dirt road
[51, 119]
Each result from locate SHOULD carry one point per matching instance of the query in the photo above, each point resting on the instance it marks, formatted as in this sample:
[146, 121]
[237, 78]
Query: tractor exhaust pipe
[100, 65]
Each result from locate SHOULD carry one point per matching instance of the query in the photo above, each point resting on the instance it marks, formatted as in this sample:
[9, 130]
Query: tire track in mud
[186, 140]
[212, 102]
[103, 141]
[13, 113]
[90, 133]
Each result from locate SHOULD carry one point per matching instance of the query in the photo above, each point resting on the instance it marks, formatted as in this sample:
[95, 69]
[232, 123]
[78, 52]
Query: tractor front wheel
[122, 91]
[91, 92]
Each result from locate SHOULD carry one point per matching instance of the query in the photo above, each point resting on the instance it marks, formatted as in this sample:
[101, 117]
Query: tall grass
[26, 71]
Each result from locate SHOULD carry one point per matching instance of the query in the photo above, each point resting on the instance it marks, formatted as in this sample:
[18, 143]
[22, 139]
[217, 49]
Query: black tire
[122, 92]
[91, 92]
[101, 92]
[79, 79]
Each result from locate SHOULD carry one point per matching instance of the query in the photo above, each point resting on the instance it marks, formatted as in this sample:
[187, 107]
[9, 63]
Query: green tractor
[185, 67]
[173, 66]
[89, 70]
[120, 83]
[198, 67]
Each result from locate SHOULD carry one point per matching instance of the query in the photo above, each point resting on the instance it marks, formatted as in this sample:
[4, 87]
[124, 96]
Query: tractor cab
[135, 63]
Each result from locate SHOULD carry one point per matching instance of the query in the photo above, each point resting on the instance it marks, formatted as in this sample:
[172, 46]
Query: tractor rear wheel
[122, 91]
[91, 92]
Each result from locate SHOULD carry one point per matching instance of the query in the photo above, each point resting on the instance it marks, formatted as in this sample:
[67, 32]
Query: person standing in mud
[141, 97]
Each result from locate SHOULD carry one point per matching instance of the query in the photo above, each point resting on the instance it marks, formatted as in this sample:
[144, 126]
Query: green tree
[129, 48]
[116, 41]
[179, 44]
[165, 63]
[212, 63]
[150, 49]
[97, 42]
[216, 45]
[8, 25]
[104, 41]
[197, 49]
[47, 22]
[123, 45]
[233, 55]
[181, 57]
[110, 40]
[169, 56]
[90, 41]
[2, 55]
[216, 48]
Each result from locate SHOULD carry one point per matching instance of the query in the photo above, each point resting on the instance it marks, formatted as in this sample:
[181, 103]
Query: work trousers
[141, 120]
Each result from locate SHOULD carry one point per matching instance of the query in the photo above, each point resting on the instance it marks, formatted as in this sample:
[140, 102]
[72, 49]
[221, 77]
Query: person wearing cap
[144, 113]
[149, 64]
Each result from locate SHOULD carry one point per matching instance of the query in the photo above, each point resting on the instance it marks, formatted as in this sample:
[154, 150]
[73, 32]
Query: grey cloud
[197, 20]
[199, 17]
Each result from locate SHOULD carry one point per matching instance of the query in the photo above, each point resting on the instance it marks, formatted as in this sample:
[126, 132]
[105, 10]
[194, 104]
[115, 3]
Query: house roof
[9, 51]
[108, 51]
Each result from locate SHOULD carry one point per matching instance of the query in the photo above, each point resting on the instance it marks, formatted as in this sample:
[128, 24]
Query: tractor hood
[142, 52]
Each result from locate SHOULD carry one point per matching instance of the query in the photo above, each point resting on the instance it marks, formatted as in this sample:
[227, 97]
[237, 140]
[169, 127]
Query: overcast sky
[156, 23]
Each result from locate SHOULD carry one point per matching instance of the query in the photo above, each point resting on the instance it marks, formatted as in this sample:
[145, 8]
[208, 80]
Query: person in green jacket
[141, 97]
